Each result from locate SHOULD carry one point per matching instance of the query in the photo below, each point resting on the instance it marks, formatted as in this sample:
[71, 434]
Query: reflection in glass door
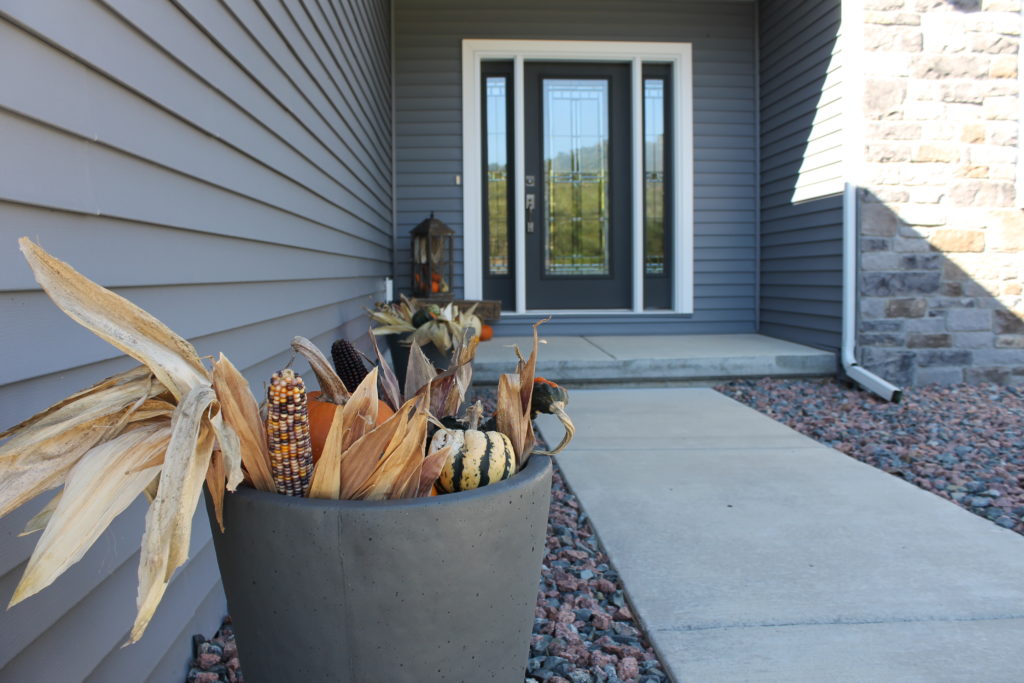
[576, 176]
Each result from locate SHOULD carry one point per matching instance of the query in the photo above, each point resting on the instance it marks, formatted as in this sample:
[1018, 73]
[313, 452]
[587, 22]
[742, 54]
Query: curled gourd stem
[558, 410]
[474, 414]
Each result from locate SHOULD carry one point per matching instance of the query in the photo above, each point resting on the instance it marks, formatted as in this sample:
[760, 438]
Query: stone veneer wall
[942, 242]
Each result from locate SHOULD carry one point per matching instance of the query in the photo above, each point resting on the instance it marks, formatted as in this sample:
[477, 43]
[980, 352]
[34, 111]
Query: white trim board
[679, 55]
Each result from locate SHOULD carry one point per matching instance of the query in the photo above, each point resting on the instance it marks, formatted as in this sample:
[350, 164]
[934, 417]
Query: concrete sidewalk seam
[840, 622]
[604, 351]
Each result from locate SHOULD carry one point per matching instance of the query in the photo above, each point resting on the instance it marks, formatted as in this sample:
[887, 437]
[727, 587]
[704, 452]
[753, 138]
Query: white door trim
[679, 55]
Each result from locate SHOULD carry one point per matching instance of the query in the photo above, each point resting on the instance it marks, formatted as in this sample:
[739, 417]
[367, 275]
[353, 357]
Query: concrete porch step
[655, 359]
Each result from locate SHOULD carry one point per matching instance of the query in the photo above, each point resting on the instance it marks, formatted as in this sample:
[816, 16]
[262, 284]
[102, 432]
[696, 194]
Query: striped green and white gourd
[477, 458]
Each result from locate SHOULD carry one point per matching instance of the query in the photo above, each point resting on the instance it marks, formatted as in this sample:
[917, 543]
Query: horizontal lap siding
[225, 165]
[428, 44]
[801, 172]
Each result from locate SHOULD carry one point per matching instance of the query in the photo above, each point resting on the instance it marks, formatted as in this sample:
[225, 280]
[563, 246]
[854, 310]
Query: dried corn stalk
[116, 439]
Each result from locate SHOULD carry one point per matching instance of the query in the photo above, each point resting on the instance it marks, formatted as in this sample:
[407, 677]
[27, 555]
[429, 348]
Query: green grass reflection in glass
[576, 176]
[654, 176]
[497, 175]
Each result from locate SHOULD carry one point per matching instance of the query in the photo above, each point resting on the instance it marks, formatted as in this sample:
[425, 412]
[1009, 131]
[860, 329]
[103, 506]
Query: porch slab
[753, 553]
[652, 359]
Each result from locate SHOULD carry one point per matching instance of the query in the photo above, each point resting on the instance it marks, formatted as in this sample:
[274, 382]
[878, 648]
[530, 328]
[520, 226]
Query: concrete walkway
[654, 359]
[752, 553]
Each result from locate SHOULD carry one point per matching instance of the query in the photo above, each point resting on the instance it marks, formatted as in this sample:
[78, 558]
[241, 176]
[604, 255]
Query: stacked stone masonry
[942, 237]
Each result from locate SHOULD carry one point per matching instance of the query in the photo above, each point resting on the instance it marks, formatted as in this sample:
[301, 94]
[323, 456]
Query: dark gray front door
[578, 231]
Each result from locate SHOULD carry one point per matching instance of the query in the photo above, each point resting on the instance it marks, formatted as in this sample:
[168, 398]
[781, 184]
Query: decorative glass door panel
[499, 206]
[576, 176]
[577, 199]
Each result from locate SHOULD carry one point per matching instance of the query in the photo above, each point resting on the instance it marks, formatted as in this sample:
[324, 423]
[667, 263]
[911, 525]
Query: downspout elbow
[865, 378]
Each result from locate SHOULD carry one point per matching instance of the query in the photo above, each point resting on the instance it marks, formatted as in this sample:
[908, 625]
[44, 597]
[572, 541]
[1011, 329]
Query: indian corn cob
[348, 363]
[291, 453]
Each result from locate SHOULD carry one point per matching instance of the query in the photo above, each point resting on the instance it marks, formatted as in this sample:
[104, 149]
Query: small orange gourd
[486, 332]
[321, 415]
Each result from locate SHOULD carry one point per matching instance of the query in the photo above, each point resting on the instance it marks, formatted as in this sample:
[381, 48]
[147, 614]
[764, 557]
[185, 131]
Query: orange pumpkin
[321, 415]
[486, 332]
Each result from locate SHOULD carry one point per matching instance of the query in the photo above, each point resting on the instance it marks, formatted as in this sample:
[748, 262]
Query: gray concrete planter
[429, 589]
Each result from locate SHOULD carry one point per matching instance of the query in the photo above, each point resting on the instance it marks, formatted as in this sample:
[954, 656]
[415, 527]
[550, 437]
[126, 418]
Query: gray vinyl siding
[226, 166]
[801, 172]
[428, 44]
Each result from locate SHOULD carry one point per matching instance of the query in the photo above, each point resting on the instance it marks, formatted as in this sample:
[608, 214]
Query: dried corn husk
[216, 481]
[331, 387]
[118, 321]
[77, 439]
[515, 392]
[419, 372]
[138, 372]
[38, 456]
[42, 518]
[388, 382]
[327, 471]
[169, 520]
[102, 485]
[364, 461]
[243, 413]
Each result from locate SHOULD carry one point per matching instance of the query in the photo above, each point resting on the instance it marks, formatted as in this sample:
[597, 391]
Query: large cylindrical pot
[428, 589]
[400, 355]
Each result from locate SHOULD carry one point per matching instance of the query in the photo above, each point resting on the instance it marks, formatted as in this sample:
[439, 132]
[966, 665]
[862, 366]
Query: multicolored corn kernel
[291, 452]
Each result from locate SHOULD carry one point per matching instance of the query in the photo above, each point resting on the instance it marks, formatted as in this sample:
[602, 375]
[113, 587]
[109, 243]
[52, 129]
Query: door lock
[530, 203]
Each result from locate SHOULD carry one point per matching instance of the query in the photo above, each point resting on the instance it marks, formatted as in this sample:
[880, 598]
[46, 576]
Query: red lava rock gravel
[215, 660]
[962, 442]
[584, 631]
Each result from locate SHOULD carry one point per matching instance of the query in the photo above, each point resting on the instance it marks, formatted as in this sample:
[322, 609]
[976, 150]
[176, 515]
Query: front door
[577, 169]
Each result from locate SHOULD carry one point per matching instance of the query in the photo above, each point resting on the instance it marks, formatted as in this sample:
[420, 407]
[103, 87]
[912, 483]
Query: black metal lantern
[433, 259]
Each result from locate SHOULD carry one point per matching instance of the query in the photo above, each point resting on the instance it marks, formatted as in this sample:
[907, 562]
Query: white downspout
[851, 367]
[851, 34]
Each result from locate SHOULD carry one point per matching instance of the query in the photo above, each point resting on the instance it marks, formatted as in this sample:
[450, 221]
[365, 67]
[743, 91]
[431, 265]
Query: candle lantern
[433, 259]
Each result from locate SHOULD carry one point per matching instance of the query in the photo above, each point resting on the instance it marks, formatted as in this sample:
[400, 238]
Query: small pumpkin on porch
[478, 458]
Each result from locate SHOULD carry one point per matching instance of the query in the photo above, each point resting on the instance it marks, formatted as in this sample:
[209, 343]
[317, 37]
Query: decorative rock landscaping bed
[962, 442]
[584, 630]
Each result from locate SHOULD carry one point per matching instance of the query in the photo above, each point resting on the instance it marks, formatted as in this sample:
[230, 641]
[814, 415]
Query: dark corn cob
[348, 363]
[291, 454]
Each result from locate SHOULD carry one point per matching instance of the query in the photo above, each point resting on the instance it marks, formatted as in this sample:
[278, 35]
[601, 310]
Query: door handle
[530, 203]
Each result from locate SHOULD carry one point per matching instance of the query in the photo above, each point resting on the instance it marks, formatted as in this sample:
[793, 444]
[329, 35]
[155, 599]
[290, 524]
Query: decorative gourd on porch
[551, 399]
[477, 458]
